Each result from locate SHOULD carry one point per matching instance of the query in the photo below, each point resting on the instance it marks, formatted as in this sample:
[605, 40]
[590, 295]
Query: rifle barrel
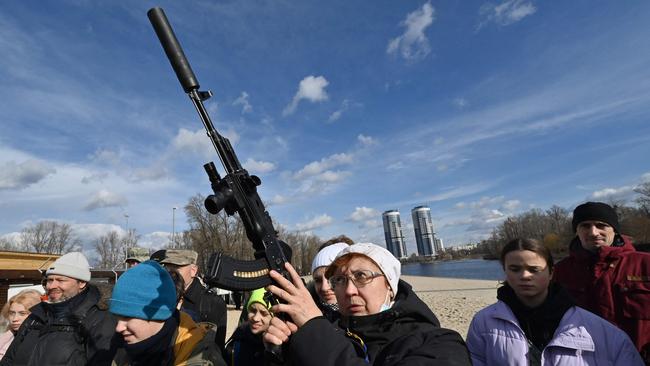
[173, 49]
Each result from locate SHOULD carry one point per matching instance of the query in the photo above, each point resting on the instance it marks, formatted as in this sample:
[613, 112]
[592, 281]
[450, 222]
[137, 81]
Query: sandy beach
[454, 301]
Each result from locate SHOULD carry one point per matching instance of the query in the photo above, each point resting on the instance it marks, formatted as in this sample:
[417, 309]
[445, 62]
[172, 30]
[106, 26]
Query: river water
[477, 269]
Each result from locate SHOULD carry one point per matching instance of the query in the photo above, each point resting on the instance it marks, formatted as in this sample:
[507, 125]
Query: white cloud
[279, 200]
[154, 172]
[398, 165]
[311, 88]
[486, 201]
[105, 156]
[155, 240]
[315, 223]
[105, 198]
[481, 220]
[612, 192]
[645, 178]
[19, 176]
[511, 205]
[345, 105]
[193, 141]
[94, 177]
[255, 167]
[243, 101]
[413, 43]
[318, 167]
[460, 103]
[366, 140]
[363, 213]
[505, 13]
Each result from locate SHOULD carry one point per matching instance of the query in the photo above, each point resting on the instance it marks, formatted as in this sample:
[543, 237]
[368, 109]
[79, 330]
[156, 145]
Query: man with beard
[70, 328]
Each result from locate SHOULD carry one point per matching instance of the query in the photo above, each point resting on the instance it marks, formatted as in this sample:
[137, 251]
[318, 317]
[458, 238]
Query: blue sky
[344, 109]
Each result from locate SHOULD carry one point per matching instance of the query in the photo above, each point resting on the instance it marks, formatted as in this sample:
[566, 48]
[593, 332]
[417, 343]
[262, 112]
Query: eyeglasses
[359, 278]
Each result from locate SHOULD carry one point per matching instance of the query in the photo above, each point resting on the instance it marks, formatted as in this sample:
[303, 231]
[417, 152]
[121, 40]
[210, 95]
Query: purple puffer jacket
[582, 338]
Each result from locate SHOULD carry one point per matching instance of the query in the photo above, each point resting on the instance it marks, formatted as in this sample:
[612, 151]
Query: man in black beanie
[606, 275]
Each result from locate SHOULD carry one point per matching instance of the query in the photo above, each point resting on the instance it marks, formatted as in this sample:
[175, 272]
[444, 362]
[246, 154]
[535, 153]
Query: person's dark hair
[527, 244]
[338, 239]
[179, 282]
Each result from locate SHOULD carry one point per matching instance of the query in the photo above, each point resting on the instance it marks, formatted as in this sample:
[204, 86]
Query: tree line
[209, 233]
[553, 226]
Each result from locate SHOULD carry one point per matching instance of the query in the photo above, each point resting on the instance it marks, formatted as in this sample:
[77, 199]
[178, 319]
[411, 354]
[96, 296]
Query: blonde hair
[26, 298]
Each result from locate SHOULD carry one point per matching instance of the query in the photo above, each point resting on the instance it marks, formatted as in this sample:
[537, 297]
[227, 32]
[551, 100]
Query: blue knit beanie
[145, 291]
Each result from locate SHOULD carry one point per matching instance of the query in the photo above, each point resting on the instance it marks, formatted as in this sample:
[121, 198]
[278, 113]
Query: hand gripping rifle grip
[173, 49]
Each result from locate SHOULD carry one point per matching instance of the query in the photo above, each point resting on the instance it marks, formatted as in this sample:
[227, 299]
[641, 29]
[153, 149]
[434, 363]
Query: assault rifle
[236, 192]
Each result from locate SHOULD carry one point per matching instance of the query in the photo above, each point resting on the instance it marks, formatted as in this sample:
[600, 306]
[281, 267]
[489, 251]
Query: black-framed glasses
[359, 278]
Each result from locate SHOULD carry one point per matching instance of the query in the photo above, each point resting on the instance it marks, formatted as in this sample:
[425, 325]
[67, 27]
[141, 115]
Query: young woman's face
[17, 314]
[359, 300]
[259, 318]
[323, 288]
[135, 330]
[529, 276]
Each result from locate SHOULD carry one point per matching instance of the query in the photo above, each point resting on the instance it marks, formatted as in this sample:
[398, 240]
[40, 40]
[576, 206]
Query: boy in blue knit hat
[154, 332]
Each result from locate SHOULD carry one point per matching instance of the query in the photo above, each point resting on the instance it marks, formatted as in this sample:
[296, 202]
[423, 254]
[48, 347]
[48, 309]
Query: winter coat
[582, 338]
[244, 348]
[406, 334]
[192, 345]
[206, 307]
[5, 341]
[614, 284]
[82, 335]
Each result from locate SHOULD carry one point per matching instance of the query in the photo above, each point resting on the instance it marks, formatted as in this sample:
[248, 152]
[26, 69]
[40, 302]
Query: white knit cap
[389, 265]
[73, 264]
[326, 256]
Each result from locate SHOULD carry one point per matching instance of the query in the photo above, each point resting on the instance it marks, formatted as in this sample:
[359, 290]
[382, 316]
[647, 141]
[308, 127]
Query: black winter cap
[596, 211]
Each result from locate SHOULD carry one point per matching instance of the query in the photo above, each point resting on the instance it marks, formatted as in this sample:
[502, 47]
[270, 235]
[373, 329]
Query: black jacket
[205, 307]
[81, 334]
[245, 348]
[407, 334]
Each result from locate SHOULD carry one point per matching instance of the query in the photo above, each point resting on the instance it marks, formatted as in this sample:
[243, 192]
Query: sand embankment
[454, 301]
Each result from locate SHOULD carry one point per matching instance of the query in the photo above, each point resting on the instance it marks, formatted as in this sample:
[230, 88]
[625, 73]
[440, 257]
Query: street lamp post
[126, 246]
[173, 227]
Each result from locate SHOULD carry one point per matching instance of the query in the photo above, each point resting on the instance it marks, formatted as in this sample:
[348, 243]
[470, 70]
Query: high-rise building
[393, 233]
[438, 245]
[424, 235]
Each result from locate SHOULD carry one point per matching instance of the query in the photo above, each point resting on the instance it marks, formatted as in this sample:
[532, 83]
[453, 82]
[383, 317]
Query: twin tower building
[427, 243]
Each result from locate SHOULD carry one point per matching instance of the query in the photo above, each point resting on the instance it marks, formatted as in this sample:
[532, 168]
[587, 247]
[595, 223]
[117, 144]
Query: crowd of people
[591, 308]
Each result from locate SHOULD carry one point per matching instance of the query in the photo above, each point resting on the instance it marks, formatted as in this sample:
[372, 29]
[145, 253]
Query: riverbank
[453, 300]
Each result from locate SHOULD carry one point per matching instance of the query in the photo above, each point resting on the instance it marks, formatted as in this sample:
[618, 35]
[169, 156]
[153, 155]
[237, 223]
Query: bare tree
[49, 237]
[211, 233]
[111, 248]
[5, 244]
[644, 197]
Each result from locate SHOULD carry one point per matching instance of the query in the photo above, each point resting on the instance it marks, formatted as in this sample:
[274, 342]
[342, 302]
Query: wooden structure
[25, 269]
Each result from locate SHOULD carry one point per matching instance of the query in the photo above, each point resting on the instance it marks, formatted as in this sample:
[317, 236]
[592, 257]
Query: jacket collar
[610, 252]
[83, 302]
[567, 334]
[188, 335]
[194, 291]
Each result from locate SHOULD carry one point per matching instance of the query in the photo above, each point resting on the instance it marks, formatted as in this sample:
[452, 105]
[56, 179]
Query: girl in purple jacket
[535, 322]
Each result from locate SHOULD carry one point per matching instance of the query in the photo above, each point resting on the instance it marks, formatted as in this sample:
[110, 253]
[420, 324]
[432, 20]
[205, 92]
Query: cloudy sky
[345, 109]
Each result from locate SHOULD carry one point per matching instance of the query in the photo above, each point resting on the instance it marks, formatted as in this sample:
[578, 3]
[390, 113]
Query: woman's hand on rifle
[295, 299]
